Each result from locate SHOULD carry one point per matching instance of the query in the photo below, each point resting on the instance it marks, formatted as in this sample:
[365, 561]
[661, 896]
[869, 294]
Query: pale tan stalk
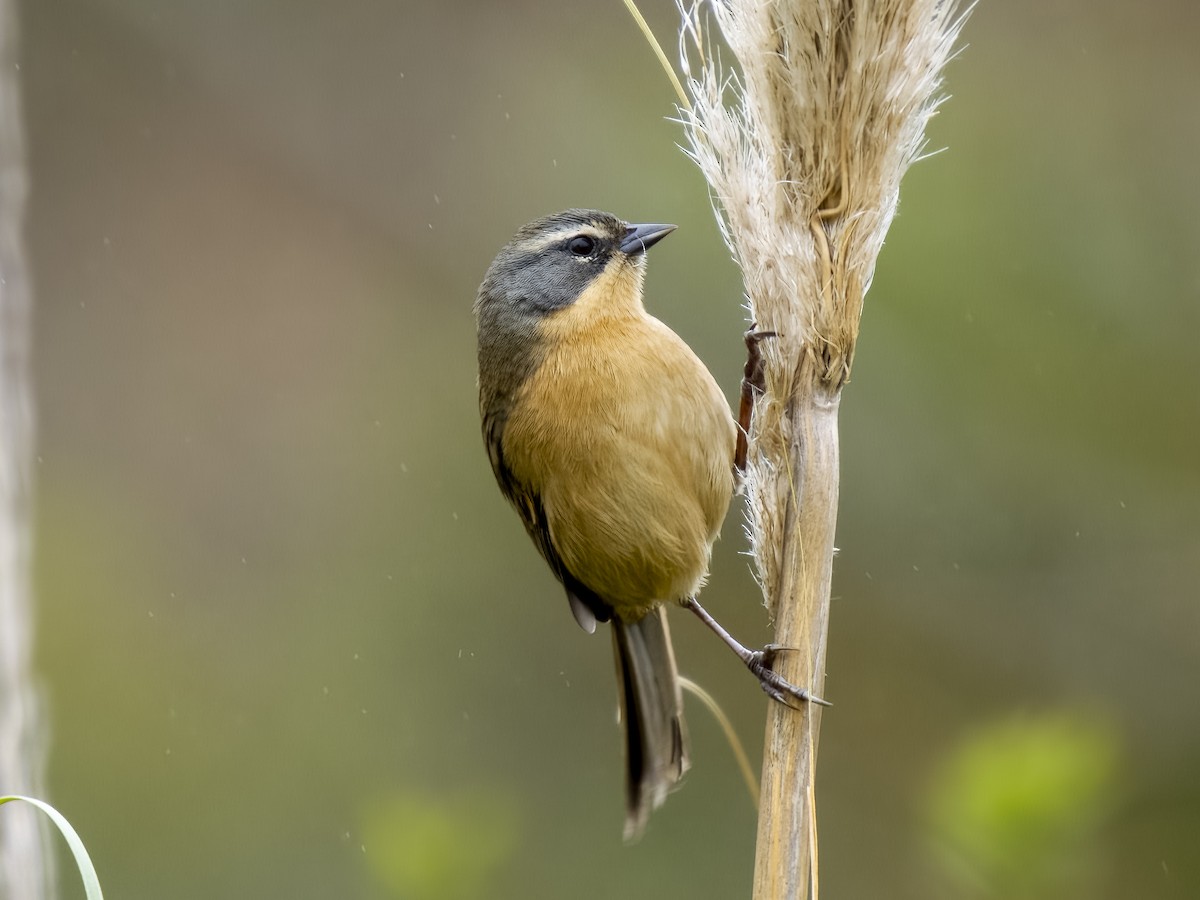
[803, 144]
[25, 864]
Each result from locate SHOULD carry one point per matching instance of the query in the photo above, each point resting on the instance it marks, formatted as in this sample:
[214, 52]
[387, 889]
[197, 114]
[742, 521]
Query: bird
[616, 447]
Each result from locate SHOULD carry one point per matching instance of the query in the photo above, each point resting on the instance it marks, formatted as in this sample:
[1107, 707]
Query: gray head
[550, 262]
[546, 267]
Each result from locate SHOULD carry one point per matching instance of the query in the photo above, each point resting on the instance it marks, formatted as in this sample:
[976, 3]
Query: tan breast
[629, 442]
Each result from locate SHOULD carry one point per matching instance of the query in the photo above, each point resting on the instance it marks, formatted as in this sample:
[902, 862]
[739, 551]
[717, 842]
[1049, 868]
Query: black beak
[640, 238]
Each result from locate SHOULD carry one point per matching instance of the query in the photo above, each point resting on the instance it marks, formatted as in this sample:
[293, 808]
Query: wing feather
[587, 606]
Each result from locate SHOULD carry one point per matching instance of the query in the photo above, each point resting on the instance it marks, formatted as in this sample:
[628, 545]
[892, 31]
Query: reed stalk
[803, 134]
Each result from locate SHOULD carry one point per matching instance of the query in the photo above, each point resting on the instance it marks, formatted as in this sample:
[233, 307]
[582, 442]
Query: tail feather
[656, 752]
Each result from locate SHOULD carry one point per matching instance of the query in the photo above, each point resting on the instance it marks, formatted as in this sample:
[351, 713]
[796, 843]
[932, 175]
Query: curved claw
[769, 652]
[779, 648]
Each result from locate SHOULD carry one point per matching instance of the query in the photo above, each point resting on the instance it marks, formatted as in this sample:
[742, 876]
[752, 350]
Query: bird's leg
[758, 661]
[752, 385]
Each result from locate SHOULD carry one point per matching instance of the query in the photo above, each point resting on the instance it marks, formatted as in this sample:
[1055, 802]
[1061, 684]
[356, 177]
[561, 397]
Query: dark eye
[582, 245]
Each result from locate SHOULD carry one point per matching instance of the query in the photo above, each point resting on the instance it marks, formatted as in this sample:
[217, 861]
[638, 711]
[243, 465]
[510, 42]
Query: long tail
[656, 754]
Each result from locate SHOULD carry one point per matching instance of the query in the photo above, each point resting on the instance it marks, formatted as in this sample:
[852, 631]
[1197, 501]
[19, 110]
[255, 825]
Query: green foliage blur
[293, 643]
[440, 847]
[1018, 810]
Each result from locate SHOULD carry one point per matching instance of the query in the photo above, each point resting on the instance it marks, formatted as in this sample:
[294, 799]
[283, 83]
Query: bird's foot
[761, 663]
[753, 385]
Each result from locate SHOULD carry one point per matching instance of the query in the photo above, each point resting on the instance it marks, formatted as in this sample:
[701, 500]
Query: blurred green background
[295, 645]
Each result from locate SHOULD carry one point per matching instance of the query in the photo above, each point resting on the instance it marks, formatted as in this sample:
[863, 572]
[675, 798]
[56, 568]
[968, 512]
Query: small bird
[616, 447]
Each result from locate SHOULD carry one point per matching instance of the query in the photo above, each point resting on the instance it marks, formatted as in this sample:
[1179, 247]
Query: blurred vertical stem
[804, 146]
[24, 870]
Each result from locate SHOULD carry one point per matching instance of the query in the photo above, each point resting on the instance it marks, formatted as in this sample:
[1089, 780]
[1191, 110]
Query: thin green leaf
[91, 883]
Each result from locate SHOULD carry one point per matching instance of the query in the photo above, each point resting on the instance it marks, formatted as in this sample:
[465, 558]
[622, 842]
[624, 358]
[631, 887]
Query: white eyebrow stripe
[542, 241]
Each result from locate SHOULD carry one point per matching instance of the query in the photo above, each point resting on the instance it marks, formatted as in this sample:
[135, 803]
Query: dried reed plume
[804, 145]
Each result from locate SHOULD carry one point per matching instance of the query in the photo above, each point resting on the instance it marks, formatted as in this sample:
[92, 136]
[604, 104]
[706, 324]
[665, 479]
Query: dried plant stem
[735, 743]
[787, 833]
[642, 24]
[804, 146]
